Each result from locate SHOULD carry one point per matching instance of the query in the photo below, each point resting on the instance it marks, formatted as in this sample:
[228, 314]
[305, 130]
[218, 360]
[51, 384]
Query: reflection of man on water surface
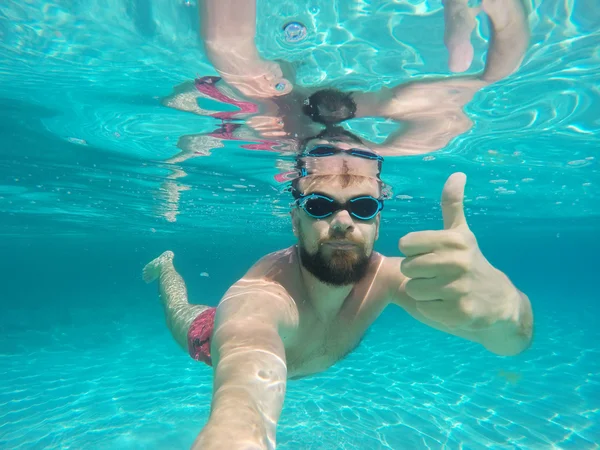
[299, 310]
[429, 111]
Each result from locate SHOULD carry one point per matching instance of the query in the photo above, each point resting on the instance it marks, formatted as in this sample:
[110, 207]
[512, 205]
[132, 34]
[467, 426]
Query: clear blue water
[86, 199]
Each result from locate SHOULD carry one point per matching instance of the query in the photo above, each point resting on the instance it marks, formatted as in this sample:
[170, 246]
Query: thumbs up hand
[450, 280]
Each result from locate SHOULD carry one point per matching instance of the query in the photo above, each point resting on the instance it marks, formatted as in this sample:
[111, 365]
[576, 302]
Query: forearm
[234, 420]
[509, 335]
[249, 388]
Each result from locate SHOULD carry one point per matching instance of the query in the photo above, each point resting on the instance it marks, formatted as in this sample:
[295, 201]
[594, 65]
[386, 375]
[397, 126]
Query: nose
[342, 222]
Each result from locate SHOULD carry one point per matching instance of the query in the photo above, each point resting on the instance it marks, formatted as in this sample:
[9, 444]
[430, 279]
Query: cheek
[307, 230]
[369, 235]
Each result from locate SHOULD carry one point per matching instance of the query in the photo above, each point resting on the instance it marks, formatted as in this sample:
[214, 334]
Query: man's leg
[185, 321]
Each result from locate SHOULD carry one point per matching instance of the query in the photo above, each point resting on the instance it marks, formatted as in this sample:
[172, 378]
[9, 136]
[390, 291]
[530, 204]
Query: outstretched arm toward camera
[250, 366]
[228, 30]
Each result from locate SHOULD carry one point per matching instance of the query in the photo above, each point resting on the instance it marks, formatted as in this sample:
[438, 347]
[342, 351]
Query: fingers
[460, 55]
[431, 265]
[430, 289]
[425, 289]
[420, 266]
[452, 201]
[421, 242]
[459, 23]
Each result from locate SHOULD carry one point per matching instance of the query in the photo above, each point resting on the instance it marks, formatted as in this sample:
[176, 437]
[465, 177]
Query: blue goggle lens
[319, 206]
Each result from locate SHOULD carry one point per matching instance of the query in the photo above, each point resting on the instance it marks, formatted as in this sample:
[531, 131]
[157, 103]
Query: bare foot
[152, 270]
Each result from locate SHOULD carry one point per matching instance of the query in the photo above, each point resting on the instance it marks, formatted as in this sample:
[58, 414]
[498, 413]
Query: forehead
[336, 186]
[342, 164]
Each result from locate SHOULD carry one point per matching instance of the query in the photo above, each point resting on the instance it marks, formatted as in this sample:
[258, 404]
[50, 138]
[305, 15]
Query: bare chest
[317, 345]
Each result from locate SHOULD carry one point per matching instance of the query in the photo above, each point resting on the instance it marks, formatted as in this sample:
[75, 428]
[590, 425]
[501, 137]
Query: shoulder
[261, 294]
[389, 271]
[273, 264]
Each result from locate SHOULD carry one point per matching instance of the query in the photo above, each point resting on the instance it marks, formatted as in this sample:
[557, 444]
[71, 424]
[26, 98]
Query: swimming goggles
[329, 150]
[320, 206]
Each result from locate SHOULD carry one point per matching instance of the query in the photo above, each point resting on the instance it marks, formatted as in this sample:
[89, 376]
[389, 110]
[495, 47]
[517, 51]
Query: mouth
[341, 245]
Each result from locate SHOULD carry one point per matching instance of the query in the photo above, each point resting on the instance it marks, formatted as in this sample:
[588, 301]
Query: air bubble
[294, 32]
[77, 141]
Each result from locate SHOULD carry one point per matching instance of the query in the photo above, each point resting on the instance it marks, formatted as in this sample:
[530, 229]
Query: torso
[315, 344]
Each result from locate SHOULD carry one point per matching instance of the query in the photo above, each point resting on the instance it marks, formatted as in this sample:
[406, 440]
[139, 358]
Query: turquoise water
[86, 199]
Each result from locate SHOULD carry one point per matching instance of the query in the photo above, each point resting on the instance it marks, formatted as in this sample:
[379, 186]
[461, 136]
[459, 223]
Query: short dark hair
[330, 106]
[332, 133]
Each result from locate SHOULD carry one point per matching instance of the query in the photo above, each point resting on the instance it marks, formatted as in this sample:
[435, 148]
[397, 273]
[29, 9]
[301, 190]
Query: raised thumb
[452, 201]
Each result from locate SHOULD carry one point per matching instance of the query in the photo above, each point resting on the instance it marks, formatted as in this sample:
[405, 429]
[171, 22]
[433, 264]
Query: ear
[377, 221]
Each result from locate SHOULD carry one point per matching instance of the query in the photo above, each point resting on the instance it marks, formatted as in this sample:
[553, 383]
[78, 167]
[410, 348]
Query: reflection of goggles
[320, 206]
[329, 150]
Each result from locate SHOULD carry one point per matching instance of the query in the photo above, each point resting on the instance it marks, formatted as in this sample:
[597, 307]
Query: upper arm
[252, 309]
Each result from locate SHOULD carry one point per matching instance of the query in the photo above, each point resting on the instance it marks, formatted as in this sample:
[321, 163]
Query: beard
[341, 268]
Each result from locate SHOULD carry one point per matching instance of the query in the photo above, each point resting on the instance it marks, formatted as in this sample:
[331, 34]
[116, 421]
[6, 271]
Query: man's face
[337, 249]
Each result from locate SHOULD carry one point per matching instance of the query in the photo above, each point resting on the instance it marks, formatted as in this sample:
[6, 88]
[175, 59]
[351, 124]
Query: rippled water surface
[85, 135]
